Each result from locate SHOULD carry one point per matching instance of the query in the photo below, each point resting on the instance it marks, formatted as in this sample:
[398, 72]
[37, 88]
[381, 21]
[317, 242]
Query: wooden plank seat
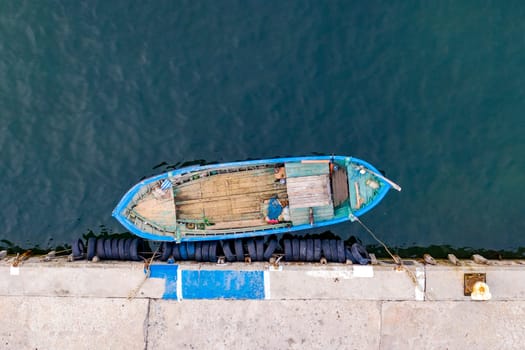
[309, 191]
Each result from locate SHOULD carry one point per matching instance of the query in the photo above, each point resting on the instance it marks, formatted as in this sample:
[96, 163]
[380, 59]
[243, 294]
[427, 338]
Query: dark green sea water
[95, 94]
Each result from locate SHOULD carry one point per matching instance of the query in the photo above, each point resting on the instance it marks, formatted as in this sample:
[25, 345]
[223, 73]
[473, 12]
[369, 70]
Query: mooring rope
[147, 266]
[397, 260]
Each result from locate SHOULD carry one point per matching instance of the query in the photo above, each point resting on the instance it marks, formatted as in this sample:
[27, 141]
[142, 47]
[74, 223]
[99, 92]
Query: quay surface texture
[83, 305]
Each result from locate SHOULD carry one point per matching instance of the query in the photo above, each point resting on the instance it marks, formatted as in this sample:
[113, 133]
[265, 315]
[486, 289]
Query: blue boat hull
[136, 210]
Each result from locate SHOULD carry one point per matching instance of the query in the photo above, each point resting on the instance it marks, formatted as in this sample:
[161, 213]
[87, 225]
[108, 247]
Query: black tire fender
[107, 248]
[114, 249]
[333, 250]
[212, 255]
[317, 250]
[325, 244]
[360, 254]
[259, 249]
[183, 250]
[205, 251]
[227, 250]
[91, 247]
[239, 250]
[127, 244]
[176, 252]
[190, 248]
[349, 256]
[302, 250]
[309, 249]
[295, 249]
[100, 248]
[121, 246]
[166, 250]
[198, 251]
[250, 245]
[341, 256]
[270, 248]
[287, 250]
[77, 248]
[134, 249]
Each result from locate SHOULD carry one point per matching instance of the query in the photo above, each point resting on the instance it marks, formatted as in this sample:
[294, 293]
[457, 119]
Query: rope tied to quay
[21, 257]
[147, 267]
[396, 258]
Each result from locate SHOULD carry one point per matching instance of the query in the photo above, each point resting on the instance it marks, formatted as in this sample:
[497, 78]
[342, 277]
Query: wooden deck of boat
[360, 192]
[158, 208]
[309, 189]
[235, 197]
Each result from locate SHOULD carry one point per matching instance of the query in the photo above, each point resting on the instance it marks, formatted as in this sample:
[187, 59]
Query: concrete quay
[86, 305]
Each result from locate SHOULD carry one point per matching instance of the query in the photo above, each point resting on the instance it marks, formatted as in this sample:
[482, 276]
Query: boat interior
[215, 201]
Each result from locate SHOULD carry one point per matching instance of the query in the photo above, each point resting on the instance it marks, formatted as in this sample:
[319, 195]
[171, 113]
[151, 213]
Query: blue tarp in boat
[274, 209]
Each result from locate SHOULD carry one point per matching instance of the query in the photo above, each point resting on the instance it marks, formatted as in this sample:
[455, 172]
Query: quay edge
[319, 306]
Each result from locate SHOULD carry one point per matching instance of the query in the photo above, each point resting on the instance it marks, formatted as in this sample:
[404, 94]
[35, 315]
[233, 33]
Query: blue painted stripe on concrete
[202, 284]
[169, 273]
[210, 284]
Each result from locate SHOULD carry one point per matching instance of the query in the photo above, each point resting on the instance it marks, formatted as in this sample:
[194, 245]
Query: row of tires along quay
[236, 250]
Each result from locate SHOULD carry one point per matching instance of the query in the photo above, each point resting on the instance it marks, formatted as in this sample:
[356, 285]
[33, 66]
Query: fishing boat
[251, 198]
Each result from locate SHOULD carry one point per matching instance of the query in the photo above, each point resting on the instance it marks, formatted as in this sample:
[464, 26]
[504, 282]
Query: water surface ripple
[94, 95]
